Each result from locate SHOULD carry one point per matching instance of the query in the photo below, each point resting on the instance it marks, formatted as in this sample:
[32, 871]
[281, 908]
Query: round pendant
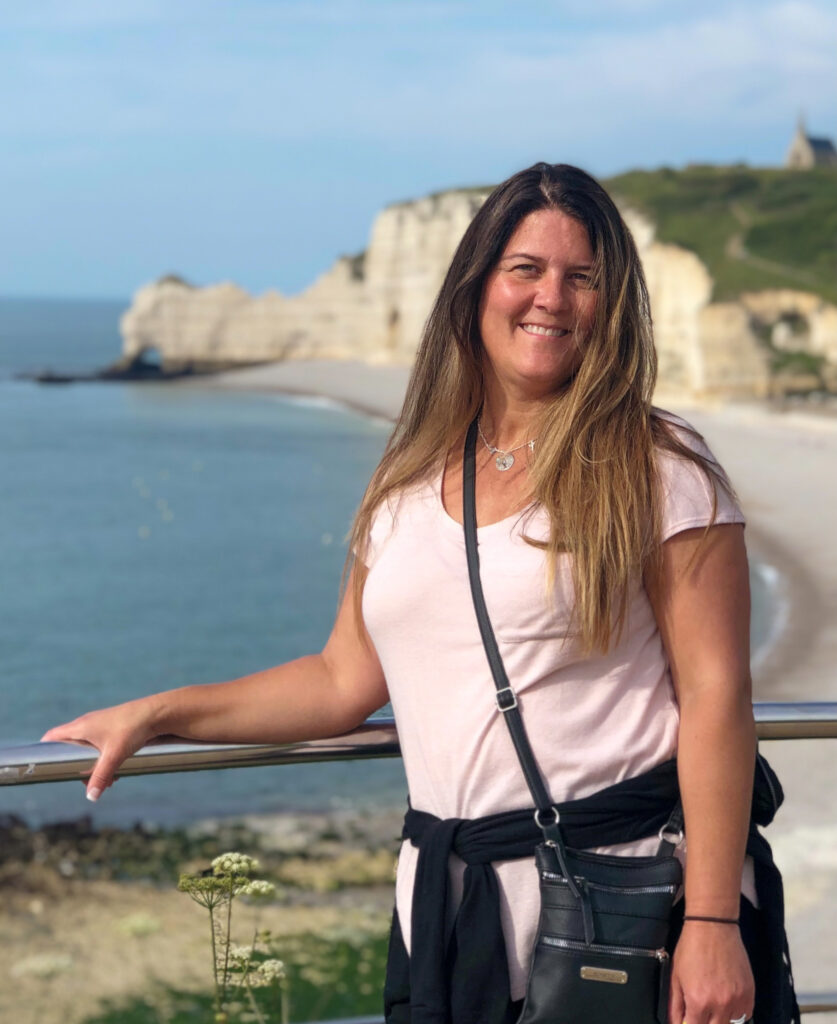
[504, 461]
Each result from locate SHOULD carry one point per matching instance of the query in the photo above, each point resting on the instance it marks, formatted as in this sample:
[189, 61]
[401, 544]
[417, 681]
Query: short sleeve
[383, 521]
[687, 491]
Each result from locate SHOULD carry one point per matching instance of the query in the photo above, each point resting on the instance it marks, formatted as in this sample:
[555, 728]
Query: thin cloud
[726, 68]
[729, 65]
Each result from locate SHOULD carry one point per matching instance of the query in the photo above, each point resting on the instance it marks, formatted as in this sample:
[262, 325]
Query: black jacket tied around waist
[465, 980]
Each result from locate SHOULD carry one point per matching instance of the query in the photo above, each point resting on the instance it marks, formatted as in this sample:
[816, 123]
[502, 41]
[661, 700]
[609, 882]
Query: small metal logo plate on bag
[603, 974]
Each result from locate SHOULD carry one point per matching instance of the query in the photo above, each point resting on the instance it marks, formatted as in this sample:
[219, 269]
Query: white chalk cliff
[373, 307]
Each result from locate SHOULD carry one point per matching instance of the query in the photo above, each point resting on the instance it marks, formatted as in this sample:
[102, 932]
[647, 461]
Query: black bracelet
[715, 920]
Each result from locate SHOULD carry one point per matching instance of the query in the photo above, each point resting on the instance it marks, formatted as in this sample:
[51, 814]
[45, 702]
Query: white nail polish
[93, 794]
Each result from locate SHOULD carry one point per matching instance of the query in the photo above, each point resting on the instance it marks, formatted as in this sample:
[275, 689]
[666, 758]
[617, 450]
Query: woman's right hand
[116, 732]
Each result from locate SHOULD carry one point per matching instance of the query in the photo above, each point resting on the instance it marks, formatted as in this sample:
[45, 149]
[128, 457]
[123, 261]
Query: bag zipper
[582, 947]
[630, 890]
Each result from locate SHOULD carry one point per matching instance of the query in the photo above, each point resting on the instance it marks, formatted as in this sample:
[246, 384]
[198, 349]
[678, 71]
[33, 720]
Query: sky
[255, 140]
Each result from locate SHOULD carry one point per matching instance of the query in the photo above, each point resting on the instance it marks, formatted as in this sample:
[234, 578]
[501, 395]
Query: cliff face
[373, 307]
[370, 307]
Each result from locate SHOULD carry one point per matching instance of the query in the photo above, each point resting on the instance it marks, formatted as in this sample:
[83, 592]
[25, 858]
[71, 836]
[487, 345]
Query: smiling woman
[612, 557]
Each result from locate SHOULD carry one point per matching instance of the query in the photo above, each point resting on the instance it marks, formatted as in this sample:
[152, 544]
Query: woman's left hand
[711, 980]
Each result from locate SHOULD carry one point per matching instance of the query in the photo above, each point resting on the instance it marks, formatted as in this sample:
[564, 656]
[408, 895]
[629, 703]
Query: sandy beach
[783, 467]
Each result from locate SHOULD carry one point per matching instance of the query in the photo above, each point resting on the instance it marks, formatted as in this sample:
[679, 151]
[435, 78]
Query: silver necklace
[504, 460]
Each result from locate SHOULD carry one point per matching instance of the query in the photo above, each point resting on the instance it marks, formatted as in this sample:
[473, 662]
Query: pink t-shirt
[592, 720]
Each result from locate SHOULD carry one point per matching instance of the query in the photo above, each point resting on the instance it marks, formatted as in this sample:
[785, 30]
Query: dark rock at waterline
[117, 372]
[137, 370]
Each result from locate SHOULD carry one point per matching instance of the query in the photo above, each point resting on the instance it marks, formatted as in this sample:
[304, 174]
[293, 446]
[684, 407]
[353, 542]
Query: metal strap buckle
[503, 702]
[543, 824]
[675, 838]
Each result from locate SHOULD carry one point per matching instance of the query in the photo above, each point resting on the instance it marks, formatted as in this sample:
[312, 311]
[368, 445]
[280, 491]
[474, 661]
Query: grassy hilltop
[753, 228]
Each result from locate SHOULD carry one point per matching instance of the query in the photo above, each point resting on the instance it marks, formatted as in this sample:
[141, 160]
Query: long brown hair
[594, 472]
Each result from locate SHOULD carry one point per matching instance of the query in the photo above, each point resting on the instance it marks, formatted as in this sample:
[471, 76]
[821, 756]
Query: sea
[152, 536]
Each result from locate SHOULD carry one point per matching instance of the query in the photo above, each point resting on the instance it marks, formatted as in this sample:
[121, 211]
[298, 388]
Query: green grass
[786, 222]
[328, 978]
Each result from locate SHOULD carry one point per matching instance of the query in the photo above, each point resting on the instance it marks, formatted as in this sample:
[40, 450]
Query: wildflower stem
[245, 970]
[225, 976]
[218, 998]
[254, 1004]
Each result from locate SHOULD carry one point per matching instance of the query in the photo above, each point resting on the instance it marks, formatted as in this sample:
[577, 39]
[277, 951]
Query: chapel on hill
[808, 151]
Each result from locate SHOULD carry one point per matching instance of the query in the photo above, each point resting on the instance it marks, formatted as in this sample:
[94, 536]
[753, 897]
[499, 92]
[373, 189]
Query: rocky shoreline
[322, 852]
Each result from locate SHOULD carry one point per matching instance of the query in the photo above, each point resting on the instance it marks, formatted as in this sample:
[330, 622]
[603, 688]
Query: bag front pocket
[571, 982]
[627, 915]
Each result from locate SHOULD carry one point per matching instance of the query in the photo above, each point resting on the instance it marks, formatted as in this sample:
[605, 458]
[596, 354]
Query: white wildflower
[259, 889]
[271, 971]
[234, 864]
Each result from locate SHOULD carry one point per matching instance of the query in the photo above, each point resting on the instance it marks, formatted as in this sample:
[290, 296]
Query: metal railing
[62, 762]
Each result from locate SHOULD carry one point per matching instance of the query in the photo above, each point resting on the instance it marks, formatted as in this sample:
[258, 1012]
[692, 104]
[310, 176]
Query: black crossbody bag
[600, 951]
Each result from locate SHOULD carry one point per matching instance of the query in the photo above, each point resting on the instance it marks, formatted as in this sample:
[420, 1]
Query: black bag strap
[546, 814]
[505, 695]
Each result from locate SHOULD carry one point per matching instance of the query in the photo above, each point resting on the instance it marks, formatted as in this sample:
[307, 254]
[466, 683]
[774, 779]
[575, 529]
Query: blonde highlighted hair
[594, 472]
